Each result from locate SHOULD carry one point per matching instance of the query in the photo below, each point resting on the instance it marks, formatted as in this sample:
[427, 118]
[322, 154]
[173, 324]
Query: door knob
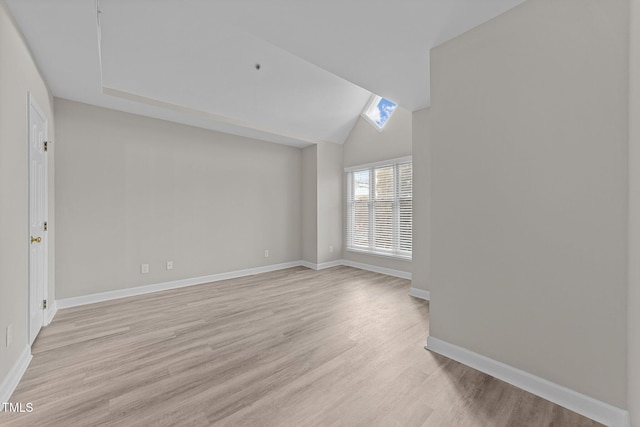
[36, 239]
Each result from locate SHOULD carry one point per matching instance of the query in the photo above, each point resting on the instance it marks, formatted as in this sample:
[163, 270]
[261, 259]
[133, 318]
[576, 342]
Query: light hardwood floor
[295, 347]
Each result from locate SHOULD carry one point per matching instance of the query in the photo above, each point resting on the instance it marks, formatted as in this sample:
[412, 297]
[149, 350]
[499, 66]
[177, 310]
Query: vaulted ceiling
[196, 61]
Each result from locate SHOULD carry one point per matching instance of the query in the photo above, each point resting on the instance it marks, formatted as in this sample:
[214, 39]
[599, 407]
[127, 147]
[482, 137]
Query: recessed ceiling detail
[284, 71]
[196, 66]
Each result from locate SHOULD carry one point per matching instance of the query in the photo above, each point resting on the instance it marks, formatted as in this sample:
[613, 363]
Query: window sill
[380, 254]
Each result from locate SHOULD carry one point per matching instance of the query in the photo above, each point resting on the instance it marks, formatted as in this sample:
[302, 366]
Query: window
[379, 208]
[378, 111]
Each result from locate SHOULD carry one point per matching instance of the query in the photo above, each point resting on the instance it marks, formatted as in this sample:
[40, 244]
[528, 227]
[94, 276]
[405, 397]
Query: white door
[37, 218]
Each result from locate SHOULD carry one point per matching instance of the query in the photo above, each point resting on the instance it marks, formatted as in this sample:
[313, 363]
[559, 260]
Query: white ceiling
[193, 61]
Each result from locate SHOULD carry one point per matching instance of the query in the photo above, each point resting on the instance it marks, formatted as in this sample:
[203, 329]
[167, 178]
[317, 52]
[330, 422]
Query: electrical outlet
[144, 268]
[266, 253]
[330, 248]
[9, 339]
[169, 265]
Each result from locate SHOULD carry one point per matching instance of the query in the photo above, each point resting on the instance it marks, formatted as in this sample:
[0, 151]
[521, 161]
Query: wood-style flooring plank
[295, 347]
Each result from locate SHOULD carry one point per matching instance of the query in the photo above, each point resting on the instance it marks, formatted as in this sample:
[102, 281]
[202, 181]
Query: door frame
[32, 104]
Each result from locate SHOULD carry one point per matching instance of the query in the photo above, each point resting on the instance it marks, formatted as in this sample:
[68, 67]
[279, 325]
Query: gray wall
[133, 190]
[18, 75]
[529, 192]
[366, 145]
[330, 202]
[310, 204]
[322, 203]
[633, 317]
[421, 185]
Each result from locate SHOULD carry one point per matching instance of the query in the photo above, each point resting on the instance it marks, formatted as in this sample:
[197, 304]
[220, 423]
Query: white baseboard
[309, 265]
[330, 264]
[10, 383]
[376, 269]
[582, 404]
[323, 265]
[51, 312]
[420, 293]
[141, 290]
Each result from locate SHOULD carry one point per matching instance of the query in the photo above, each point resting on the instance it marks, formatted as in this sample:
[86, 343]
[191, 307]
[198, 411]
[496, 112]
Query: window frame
[395, 252]
[373, 103]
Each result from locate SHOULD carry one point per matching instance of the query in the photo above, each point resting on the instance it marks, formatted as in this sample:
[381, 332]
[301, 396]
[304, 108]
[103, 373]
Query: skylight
[378, 111]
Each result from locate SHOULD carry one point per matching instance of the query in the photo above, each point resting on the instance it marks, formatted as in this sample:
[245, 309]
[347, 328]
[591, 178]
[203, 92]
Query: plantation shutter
[384, 195]
[360, 209]
[405, 207]
[379, 208]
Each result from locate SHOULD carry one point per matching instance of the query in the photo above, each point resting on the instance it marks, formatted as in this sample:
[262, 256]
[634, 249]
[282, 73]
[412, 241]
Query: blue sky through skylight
[379, 111]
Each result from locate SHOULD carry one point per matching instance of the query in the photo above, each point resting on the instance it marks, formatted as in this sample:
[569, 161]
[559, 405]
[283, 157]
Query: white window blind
[379, 208]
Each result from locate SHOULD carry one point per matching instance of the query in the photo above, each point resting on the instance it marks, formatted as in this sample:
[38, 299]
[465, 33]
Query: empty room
[286, 213]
